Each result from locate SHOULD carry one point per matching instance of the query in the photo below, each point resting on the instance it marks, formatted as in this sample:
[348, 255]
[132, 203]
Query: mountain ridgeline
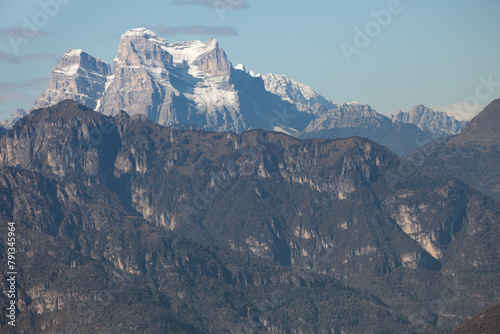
[472, 156]
[210, 232]
[194, 83]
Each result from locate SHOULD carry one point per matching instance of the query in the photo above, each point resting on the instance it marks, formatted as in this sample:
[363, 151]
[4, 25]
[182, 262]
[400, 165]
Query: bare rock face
[79, 77]
[172, 83]
[426, 119]
[139, 68]
[14, 117]
[347, 115]
[215, 61]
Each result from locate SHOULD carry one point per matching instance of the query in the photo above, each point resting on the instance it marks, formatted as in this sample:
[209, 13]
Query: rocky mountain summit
[79, 77]
[14, 117]
[428, 120]
[194, 84]
[327, 212]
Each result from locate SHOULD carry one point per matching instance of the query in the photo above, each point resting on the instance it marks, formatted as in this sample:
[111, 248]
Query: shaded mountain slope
[323, 207]
[485, 322]
[472, 156]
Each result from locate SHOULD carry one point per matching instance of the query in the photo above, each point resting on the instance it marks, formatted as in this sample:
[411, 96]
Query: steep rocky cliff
[79, 77]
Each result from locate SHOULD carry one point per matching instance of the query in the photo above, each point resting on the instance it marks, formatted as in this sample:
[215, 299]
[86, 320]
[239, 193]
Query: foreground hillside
[485, 322]
[216, 232]
[472, 156]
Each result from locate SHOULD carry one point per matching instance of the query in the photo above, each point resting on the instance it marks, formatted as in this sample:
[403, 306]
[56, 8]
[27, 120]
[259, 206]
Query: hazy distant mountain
[474, 155]
[284, 217]
[194, 83]
[461, 111]
[353, 119]
[14, 117]
[428, 120]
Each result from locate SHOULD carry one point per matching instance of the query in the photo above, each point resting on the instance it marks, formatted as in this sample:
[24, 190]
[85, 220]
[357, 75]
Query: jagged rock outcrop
[428, 120]
[302, 96]
[14, 117]
[79, 77]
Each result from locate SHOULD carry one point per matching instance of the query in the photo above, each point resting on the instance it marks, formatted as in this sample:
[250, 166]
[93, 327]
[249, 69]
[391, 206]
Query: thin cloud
[42, 57]
[9, 58]
[21, 93]
[220, 4]
[110, 38]
[19, 99]
[14, 59]
[19, 31]
[220, 30]
[20, 87]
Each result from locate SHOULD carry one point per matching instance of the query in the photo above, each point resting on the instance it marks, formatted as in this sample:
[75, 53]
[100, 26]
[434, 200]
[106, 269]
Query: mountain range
[246, 233]
[429, 120]
[193, 83]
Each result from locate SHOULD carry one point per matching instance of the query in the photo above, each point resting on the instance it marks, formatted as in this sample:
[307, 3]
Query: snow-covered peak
[304, 97]
[253, 74]
[188, 51]
[240, 67]
[181, 52]
[212, 43]
[139, 32]
[75, 59]
[78, 76]
[274, 80]
[73, 53]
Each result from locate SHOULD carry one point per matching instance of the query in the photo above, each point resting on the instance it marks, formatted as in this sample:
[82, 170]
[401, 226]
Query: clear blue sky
[431, 52]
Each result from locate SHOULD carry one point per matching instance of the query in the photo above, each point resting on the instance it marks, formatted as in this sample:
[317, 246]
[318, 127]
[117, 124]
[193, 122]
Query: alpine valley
[176, 193]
